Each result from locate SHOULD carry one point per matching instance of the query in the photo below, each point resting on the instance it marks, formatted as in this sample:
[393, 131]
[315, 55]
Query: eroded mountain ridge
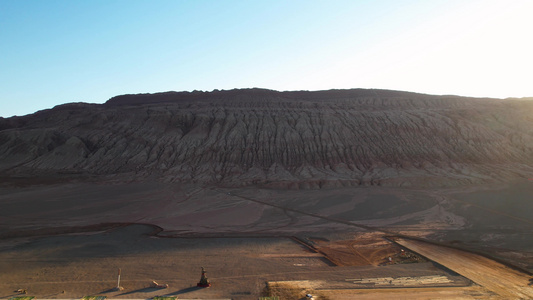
[279, 139]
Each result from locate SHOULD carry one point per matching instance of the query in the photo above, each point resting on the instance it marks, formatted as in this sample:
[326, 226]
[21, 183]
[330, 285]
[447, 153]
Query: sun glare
[479, 49]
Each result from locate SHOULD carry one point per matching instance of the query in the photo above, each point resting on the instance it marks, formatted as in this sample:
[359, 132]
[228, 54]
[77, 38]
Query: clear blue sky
[54, 52]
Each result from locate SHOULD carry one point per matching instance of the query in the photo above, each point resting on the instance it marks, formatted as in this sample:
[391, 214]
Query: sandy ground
[53, 243]
[498, 278]
[72, 266]
[466, 293]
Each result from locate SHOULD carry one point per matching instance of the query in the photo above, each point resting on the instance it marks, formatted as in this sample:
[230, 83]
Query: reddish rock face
[300, 139]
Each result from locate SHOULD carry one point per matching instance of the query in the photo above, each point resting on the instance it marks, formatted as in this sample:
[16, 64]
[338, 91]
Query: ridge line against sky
[59, 51]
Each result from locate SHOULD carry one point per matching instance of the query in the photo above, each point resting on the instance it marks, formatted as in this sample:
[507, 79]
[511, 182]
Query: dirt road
[496, 277]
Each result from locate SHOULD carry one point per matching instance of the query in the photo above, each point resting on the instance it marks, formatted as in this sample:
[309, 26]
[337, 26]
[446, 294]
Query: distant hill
[296, 139]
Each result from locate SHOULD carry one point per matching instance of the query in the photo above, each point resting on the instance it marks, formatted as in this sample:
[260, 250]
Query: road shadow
[184, 291]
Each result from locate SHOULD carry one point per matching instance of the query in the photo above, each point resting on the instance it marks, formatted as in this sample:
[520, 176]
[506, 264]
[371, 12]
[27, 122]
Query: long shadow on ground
[143, 290]
[184, 291]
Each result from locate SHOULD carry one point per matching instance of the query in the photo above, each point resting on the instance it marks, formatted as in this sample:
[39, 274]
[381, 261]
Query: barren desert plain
[334, 244]
[341, 194]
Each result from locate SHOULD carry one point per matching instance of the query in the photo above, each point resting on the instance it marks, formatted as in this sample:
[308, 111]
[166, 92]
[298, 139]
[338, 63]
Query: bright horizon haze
[58, 51]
